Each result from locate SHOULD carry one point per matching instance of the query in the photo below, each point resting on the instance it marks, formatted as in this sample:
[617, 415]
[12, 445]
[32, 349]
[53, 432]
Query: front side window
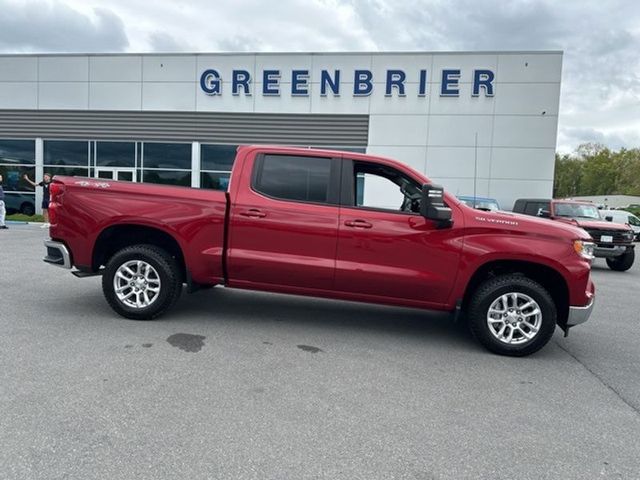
[303, 179]
[534, 208]
[382, 187]
[633, 220]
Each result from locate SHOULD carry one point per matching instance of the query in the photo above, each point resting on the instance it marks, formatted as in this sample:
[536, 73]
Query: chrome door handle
[358, 223]
[253, 213]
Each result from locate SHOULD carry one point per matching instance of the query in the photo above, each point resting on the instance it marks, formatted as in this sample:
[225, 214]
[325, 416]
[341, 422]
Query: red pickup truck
[331, 224]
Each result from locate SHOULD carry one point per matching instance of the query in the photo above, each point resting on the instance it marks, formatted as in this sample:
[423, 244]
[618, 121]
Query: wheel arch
[548, 277]
[116, 237]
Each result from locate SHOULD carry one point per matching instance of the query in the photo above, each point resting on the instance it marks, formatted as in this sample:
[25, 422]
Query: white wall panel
[283, 103]
[525, 131]
[115, 95]
[531, 163]
[466, 63]
[337, 104]
[398, 130]
[527, 98]
[412, 156]
[345, 63]
[223, 103]
[411, 64]
[530, 68]
[18, 69]
[63, 69]
[63, 96]
[460, 130]
[170, 68]
[458, 162]
[464, 186]
[121, 68]
[224, 65]
[18, 95]
[410, 104]
[168, 96]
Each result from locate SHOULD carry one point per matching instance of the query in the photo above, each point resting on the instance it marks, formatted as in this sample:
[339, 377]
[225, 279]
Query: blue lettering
[300, 82]
[333, 84]
[240, 78]
[422, 87]
[395, 78]
[271, 82]
[449, 87]
[362, 84]
[484, 79]
[210, 82]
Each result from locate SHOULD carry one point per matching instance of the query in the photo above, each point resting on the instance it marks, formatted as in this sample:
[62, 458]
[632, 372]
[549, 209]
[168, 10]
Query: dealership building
[483, 122]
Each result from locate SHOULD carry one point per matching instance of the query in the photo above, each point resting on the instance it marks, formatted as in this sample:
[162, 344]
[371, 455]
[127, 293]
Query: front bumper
[57, 254]
[578, 315]
[610, 252]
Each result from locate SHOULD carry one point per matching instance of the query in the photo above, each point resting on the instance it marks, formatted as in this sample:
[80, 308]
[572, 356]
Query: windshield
[576, 210]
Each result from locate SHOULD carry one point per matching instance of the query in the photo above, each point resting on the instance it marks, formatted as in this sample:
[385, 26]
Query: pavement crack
[600, 379]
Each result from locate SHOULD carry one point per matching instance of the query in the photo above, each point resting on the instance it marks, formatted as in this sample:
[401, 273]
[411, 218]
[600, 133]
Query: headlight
[584, 249]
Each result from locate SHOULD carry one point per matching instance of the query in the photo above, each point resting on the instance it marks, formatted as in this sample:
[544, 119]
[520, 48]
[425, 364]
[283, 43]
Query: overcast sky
[600, 100]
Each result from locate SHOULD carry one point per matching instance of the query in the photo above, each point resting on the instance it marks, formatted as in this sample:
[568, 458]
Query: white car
[620, 216]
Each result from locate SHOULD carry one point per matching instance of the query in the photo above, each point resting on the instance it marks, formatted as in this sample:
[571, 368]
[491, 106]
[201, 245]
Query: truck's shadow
[221, 304]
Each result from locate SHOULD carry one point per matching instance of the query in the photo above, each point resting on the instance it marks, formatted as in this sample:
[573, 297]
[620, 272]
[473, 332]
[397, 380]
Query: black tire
[494, 288]
[28, 209]
[623, 262]
[168, 272]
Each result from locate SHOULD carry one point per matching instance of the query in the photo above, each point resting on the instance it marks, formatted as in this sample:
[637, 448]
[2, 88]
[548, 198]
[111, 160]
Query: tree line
[594, 169]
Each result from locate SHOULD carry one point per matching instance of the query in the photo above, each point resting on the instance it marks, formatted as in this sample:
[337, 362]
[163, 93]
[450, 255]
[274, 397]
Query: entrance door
[122, 174]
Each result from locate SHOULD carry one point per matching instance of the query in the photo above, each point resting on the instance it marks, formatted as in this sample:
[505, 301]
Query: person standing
[45, 184]
[3, 211]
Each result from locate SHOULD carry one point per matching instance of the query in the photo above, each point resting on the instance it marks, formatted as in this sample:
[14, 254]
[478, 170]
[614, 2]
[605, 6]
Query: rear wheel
[623, 262]
[141, 282]
[512, 315]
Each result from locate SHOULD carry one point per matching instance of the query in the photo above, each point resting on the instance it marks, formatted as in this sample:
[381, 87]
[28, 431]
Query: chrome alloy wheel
[514, 318]
[136, 284]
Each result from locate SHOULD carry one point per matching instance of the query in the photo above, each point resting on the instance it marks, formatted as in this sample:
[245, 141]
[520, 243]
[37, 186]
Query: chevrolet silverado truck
[613, 242]
[330, 224]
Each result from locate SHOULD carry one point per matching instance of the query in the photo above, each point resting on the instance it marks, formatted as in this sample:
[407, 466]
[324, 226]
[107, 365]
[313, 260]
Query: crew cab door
[385, 247]
[284, 222]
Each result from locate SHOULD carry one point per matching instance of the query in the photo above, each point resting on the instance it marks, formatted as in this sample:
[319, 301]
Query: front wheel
[623, 262]
[141, 282]
[512, 315]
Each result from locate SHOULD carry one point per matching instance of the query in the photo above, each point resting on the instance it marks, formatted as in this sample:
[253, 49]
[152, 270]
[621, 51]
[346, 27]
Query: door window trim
[333, 192]
[348, 189]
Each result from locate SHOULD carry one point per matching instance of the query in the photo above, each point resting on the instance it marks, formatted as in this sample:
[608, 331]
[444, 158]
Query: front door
[385, 247]
[116, 173]
[284, 222]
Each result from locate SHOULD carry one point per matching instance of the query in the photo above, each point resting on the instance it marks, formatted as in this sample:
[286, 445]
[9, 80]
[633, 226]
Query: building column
[39, 173]
[195, 164]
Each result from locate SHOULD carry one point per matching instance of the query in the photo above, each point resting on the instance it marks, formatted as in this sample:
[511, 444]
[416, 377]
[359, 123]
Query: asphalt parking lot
[240, 385]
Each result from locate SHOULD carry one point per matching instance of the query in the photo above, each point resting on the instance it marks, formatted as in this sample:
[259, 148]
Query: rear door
[386, 249]
[284, 222]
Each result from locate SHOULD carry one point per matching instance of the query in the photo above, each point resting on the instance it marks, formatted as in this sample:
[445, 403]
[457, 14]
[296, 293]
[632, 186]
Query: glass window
[576, 210]
[167, 155]
[304, 179]
[13, 178]
[58, 152]
[533, 208]
[67, 171]
[215, 181]
[18, 202]
[18, 152]
[167, 177]
[633, 220]
[217, 157]
[383, 187]
[115, 154]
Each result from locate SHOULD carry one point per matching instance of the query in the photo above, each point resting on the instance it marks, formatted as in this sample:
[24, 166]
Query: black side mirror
[432, 205]
[544, 213]
[609, 218]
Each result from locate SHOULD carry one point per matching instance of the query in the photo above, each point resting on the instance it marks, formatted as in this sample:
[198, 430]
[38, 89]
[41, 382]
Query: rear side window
[302, 179]
[532, 208]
